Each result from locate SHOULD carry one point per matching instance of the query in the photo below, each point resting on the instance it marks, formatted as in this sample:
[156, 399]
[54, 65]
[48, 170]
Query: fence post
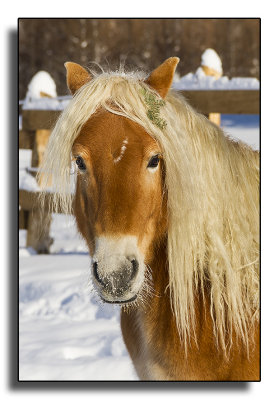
[213, 117]
[36, 221]
[38, 228]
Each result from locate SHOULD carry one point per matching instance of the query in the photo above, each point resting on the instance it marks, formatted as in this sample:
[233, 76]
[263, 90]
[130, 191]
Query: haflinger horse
[169, 208]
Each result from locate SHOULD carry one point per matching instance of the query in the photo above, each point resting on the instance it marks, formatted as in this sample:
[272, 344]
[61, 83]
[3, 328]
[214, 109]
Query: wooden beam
[39, 119]
[204, 101]
[38, 231]
[26, 139]
[29, 201]
[23, 219]
[224, 101]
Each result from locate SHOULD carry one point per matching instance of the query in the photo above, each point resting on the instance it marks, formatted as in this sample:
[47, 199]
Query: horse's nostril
[117, 279]
[95, 272]
[135, 265]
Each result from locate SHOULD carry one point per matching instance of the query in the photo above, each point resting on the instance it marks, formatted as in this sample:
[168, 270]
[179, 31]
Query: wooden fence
[37, 221]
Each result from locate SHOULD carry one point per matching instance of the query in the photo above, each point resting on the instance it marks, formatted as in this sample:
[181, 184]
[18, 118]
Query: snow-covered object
[45, 103]
[41, 89]
[41, 82]
[200, 81]
[27, 182]
[211, 59]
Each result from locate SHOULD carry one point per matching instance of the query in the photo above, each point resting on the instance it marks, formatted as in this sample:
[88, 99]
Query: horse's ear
[161, 78]
[77, 76]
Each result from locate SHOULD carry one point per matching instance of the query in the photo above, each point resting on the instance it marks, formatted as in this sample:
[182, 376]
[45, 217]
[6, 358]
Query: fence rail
[34, 121]
[205, 101]
[30, 200]
[224, 101]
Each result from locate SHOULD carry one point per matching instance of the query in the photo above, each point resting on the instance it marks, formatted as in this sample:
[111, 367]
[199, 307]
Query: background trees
[45, 44]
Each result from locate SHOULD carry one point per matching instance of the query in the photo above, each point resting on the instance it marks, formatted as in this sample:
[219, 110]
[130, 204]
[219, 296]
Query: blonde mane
[212, 185]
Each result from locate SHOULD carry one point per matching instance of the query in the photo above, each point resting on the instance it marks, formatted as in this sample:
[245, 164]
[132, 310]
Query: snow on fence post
[212, 66]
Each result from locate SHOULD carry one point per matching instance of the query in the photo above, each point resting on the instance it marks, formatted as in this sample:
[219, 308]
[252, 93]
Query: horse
[169, 208]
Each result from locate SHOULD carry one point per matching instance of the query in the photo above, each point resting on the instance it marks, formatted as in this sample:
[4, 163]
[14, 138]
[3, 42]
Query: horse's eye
[80, 163]
[154, 161]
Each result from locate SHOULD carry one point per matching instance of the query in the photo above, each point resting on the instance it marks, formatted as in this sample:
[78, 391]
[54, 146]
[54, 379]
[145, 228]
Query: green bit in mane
[153, 112]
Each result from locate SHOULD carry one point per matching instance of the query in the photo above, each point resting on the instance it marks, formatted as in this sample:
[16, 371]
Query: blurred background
[45, 44]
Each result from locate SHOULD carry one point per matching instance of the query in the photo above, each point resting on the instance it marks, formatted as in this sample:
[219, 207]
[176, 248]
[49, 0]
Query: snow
[200, 81]
[211, 59]
[190, 81]
[26, 181]
[242, 127]
[65, 333]
[41, 82]
[46, 103]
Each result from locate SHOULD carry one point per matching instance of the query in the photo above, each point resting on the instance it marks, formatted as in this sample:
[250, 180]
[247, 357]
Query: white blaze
[122, 151]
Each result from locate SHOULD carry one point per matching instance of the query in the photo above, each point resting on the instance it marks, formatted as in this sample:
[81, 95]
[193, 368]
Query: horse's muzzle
[116, 286]
[118, 268]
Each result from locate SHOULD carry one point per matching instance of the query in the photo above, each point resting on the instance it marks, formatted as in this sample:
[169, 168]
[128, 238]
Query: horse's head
[119, 200]
[120, 205]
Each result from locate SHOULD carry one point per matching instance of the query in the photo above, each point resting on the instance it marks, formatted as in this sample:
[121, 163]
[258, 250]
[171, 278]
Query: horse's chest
[144, 343]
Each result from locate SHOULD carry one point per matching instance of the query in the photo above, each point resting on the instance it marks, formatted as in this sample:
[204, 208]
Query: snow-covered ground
[65, 333]
[242, 127]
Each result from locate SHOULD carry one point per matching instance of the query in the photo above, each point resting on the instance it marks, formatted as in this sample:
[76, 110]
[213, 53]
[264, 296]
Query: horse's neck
[159, 267]
[153, 341]
[161, 302]
[157, 322]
